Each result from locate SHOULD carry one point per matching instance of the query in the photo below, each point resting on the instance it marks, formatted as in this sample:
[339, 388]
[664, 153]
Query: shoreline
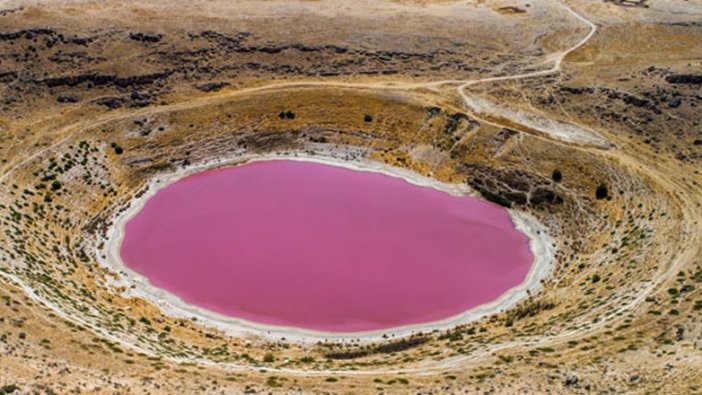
[139, 286]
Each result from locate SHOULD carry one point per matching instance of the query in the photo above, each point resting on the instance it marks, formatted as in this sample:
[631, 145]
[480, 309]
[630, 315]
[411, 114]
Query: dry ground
[98, 97]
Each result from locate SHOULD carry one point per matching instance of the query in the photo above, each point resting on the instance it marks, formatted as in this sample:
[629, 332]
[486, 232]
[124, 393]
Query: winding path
[463, 84]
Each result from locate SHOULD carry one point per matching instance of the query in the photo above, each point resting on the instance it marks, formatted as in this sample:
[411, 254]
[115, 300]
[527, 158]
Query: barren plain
[584, 115]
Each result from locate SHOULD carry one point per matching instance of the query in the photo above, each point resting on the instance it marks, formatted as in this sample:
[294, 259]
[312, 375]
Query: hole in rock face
[321, 247]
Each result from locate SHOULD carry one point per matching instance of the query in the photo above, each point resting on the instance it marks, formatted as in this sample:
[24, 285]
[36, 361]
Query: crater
[321, 247]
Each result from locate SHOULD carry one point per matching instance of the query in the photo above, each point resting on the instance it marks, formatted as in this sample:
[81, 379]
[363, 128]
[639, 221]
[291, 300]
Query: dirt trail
[394, 85]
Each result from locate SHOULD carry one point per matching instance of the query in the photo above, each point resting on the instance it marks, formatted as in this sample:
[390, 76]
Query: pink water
[321, 247]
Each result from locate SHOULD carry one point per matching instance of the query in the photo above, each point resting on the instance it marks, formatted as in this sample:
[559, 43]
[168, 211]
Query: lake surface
[321, 247]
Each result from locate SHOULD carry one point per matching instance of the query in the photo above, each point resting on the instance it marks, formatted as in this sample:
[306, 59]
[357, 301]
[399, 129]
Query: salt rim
[139, 286]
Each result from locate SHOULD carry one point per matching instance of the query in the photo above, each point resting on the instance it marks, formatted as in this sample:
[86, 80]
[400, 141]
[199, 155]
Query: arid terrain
[584, 114]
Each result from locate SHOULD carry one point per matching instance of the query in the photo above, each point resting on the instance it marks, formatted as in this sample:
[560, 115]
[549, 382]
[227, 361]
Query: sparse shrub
[602, 191]
[401, 345]
[506, 358]
[352, 354]
[451, 336]
[268, 358]
[367, 118]
[528, 310]
[557, 176]
[286, 115]
[8, 389]
[273, 382]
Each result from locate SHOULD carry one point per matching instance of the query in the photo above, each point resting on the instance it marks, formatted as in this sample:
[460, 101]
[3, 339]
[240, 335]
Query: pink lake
[321, 247]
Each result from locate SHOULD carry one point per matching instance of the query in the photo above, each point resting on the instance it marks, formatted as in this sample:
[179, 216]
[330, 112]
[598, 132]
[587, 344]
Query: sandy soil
[540, 88]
